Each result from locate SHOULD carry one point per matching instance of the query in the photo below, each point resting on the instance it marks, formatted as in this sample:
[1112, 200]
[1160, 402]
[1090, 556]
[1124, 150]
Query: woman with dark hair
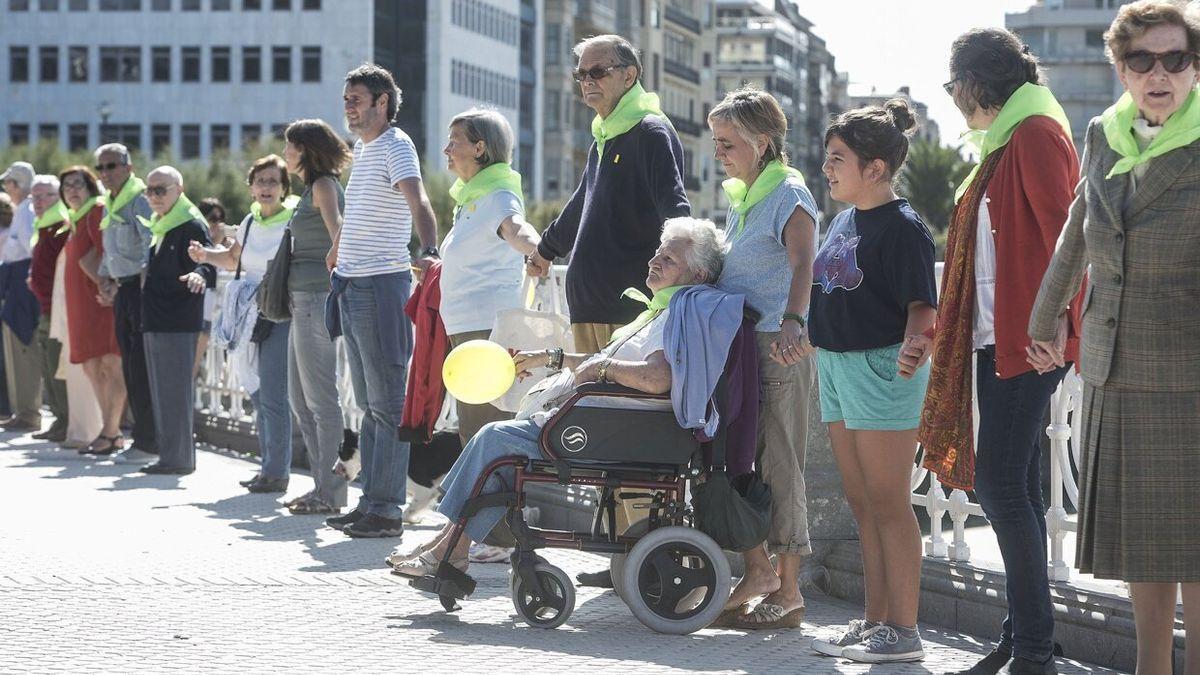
[92, 336]
[317, 155]
[873, 290]
[1132, 228]
[1008, 214]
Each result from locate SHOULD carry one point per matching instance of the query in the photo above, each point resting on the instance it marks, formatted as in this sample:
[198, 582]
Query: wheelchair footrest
[448, 582]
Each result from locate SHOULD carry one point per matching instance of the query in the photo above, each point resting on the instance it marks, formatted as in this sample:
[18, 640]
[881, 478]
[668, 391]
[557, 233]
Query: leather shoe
[250, 481]
[988, 665]
[263, 485]
[159, 469]
[52, 434]
[18, 424]
[1022, 666]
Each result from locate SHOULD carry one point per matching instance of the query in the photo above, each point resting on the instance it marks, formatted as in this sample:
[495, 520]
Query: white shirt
[16, 240]
[378, 221]
[481, 273]
[1144, 134]
[984, 326]
[264, 242]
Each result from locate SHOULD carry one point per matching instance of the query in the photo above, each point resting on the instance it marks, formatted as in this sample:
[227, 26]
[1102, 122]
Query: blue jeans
[1008, 483]
[495, 440]
[378, 368]
[273, 417]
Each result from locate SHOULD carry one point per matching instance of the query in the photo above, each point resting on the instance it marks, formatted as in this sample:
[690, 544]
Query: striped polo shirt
[377, 224]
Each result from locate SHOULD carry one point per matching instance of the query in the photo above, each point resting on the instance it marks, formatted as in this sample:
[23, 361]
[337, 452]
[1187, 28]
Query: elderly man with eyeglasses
[632, 183]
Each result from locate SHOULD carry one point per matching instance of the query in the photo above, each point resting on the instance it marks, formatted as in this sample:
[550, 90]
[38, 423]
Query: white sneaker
[482, 553]
[886, 645]
[132, 455]
[420, 499]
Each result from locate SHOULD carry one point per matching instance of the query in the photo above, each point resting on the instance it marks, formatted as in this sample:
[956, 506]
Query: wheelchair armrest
[610, 389]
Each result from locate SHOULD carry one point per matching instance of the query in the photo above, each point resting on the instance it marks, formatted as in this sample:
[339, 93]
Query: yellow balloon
[479, 371]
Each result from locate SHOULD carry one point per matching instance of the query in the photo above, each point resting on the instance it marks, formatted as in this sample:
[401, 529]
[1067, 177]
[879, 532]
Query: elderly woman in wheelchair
[624, 389]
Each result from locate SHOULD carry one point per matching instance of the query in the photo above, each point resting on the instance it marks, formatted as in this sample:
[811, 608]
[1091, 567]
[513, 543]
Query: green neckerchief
[633, 106]
[49, 218]
[742, 199]
[1181, 128]
[183, 211]
[654, 307]
[1028, 100]
[282, 216]
[76, 215]
[498, 176]
[133, 187]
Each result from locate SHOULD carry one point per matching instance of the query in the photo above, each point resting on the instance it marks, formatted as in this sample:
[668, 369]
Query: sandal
[729, 617]
[311, 506]
[769, 616]
[115, 443]
[302, 498]
[425, 565]
[397, 557]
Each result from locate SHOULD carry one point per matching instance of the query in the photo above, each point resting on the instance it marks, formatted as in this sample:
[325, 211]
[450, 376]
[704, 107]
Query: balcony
[597, 14]
[681, 71]
[682, 19]
[686, 126]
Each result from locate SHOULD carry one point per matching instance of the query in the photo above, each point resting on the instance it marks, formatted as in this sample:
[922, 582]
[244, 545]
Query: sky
[890, 44]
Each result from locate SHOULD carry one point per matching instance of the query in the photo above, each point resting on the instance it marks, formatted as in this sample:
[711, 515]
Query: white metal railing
[219, 395]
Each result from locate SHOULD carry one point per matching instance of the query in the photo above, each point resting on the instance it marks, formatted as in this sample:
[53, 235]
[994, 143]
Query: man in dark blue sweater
[632, 183]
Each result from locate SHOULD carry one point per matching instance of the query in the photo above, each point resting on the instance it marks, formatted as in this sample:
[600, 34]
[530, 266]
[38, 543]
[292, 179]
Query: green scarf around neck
[76, 215]
[1028, 100]
[635, 105]
[183, 211]
[1181, 128]
[49, 218]
[498, 176]
[654, 307]
[743, 198]
[283, 215]
[133, 187]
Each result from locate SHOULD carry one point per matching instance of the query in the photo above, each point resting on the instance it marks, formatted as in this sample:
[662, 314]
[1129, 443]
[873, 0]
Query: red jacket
[42, 267]
[426, 391]
[1030, 192]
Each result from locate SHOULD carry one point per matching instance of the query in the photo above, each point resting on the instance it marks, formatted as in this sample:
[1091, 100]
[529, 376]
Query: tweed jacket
[1141, 309]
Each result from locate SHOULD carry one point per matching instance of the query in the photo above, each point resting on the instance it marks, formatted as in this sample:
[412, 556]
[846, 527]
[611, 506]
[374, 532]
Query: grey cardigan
[1141, 310]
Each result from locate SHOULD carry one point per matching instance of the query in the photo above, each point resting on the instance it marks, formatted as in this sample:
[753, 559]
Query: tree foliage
[929, 179]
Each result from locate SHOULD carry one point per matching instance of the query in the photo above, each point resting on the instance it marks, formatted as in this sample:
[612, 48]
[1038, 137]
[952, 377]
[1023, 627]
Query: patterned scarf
[947, 427]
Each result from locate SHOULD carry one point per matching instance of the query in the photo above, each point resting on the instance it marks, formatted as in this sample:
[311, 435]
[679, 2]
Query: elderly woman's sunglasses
[1173, 62]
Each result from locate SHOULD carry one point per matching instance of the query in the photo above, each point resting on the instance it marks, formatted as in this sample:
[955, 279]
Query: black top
[612, 223]
[167, 304]
[871, 265]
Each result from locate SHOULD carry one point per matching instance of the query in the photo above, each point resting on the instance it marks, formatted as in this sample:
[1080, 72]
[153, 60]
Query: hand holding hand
[792, 346]
[915, 351]
[1047, 356]
[536, 265]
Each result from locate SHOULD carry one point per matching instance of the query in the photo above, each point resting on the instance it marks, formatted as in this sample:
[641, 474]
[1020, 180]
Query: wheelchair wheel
[676, 580]
[548, 612]
[616, 564]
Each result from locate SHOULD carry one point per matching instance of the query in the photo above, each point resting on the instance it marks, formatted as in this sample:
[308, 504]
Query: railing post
[1059, 431]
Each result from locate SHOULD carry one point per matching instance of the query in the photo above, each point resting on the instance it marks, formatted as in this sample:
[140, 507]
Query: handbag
[735, 512]
[274, 302]
[539, 323]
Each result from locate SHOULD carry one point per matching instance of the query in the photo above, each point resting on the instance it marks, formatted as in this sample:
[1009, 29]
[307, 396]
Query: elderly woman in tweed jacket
[1134, 223]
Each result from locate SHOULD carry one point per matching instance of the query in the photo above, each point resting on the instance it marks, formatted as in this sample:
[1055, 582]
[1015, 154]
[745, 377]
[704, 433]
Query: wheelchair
[675, 579]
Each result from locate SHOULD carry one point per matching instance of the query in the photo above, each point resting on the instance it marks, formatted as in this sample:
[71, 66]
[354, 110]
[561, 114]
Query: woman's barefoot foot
[751, 586]
[788, 601]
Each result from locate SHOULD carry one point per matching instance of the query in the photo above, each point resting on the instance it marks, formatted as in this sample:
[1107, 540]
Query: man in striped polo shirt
[385, 200]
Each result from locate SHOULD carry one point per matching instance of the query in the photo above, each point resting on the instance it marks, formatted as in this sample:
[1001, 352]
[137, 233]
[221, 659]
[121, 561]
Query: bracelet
[794, 317]
[602, 374]
[554, 358]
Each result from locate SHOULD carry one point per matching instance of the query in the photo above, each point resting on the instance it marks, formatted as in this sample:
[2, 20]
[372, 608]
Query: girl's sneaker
[887, 645]
[856, 632]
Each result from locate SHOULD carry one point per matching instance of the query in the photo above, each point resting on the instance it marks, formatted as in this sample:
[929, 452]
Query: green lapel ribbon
[76, 215]
[51, 217]
[1028, 100]
[654, 307]
[498, 176]
[183, 211]
[1181, 128]
[636, 104]
[133, 187]
[743, 198]
[282, 216]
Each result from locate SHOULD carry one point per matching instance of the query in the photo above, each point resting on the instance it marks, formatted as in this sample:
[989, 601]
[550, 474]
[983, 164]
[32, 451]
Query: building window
[1095, 39]
[160, 5]
[77, 64]
[553, 111]
[18, 64]
[120, 5]
[251, 5]
[527, 100]
[220, 136]
[189, 141]
[220, 64]
[310, 64]
[251, 64]
[277, 131]
[482, 84]
[282, 5]
[191, 5]
[312, 4]
[77, 137]
[160, 139]
[251, 133]
[190, 56]
[18, 134]
[120, 64]
[48, 61]
[48, 132]
[281, 64]
[129, 135]
[222, 5]
[553, 55]
[49, 6]
[18, 5]
[487, 20]
[78, 5]
[160, 64]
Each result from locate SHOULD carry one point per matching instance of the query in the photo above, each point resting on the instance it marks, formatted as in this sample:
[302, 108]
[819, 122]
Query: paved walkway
[103, 569]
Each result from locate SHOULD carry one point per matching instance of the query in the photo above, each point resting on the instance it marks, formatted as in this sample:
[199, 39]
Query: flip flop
[769, 616]
[729, 617]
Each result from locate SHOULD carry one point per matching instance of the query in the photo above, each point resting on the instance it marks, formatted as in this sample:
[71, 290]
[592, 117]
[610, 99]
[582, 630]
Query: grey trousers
[169, 359]
[313, 393]
[56, 389]
[23, 373]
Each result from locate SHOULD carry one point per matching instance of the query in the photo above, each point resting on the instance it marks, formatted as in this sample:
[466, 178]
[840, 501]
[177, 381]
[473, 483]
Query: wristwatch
[791, 316]
[430, 252]
[554, 358]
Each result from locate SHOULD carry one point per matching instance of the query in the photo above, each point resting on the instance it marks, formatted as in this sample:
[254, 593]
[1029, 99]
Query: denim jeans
[378, 373]
[313, 392]
[495, 440]
[273, 417]
[1008, 483]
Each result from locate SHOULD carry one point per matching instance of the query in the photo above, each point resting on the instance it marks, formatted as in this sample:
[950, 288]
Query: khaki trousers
[24, 377]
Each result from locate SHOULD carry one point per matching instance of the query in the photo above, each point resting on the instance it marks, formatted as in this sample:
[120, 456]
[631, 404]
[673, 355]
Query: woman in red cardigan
[1007, 218]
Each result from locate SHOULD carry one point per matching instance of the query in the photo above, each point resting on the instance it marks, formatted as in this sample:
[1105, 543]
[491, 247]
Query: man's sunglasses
[594, 74]
[108, 167]
[1173, 62]
[158, 190]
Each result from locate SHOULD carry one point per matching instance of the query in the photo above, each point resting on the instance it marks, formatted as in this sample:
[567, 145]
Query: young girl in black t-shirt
[873, 288]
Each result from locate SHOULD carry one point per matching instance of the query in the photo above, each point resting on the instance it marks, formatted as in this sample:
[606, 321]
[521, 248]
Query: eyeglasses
[75, 184]
[594, 73]
[1175, 61]
[108, 167]
[267, 183]
[949, 86]
[158, 190]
